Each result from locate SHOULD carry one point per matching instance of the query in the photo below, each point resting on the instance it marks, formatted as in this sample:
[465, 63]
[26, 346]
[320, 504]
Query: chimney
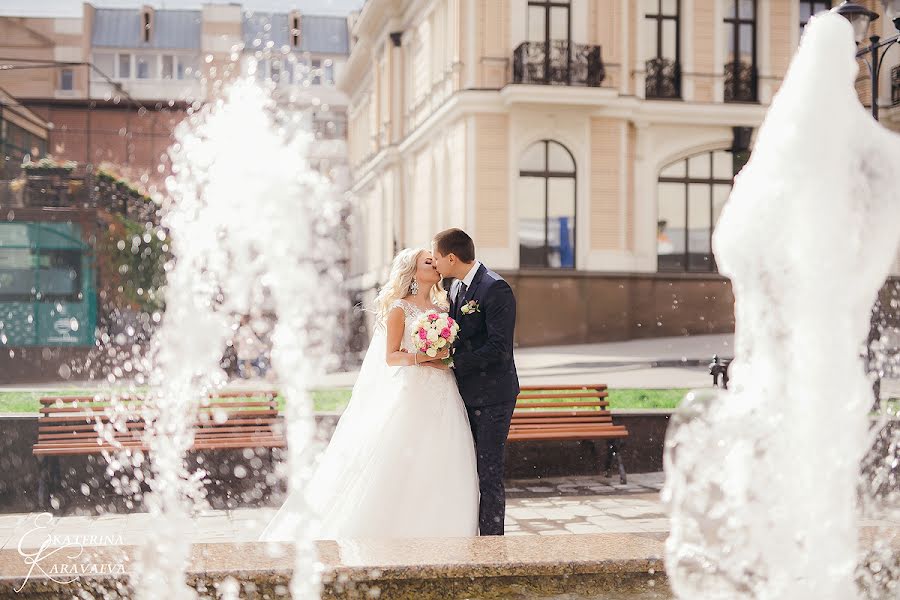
[295, 23]
[146, 24]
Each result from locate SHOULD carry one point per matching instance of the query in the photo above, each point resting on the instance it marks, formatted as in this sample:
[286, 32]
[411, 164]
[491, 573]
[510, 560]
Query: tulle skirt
[400, 464]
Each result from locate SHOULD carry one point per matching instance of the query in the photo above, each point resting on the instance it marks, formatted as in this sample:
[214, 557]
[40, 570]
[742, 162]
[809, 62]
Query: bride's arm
[394, 355]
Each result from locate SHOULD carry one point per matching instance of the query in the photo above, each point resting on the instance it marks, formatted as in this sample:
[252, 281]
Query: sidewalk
[650, 363]
[534, 507]
[672, 362]
[551, 506]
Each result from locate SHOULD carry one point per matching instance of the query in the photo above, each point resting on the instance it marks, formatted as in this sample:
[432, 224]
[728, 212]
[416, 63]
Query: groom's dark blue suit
[486, 375]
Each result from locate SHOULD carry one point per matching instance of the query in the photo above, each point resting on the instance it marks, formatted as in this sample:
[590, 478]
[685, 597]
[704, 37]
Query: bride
[401, 462]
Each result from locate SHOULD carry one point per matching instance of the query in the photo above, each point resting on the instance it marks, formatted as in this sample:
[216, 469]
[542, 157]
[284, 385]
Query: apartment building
[587, 145]
[115, 82]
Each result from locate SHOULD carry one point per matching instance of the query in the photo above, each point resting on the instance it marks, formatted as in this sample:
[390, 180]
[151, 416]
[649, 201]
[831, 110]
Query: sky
[72, 8]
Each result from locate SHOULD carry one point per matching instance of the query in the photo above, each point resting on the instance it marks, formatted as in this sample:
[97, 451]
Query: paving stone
[583, 528]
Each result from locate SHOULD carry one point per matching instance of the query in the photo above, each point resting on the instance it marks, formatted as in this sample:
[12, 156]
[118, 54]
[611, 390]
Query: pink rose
[445, 333]
[432, 317]
[422, 334]
[450, 321]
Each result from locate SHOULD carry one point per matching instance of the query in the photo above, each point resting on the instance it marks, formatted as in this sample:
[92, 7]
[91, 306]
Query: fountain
[250, 223]
[762, 481]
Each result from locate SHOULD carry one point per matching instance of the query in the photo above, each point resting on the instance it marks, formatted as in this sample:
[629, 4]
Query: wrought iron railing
[558, 62]
[663, 78]
[895, 85]
[740, 82]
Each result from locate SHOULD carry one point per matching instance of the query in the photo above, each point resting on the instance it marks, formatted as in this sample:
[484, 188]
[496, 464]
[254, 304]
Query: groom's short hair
[455, 241]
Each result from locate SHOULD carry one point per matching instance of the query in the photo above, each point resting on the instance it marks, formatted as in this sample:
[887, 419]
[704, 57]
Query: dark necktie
[462, 292]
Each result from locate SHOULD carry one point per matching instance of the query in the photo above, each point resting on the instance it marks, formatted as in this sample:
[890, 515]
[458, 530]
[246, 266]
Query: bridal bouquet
[434, 331]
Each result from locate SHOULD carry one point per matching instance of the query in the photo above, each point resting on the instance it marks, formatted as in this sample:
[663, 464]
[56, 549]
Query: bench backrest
[573, 400]
[76, 418]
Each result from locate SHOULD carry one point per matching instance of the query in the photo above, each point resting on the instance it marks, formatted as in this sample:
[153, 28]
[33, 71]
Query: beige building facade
[587, 145]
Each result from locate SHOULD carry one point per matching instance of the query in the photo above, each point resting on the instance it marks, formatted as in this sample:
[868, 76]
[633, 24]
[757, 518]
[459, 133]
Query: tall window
[549, 20]
[808, 8]
[740, 65]
[663, 30]
[145, 66]
[66, 79]
[546, 202]
[124, 66]
[691, 193]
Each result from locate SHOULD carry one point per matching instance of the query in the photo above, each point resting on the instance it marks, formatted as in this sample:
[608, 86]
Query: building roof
[172, 29]
[319, 34]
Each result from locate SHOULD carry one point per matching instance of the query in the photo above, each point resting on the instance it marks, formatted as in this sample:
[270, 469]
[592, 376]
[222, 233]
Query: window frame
[812, 10]
[547, 175]
[735, 23]
[660, 18]
[62, 79]
[687, 180]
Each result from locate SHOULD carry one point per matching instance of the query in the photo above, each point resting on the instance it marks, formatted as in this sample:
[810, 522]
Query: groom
[485, 308]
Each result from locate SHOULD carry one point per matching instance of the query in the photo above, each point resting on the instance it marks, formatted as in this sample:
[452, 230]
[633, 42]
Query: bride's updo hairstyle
[403, 271]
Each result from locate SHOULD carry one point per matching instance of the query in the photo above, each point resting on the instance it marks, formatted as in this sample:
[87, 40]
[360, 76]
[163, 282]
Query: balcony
[895, 85]
[663, 79]
[558, 62]
[740, 82]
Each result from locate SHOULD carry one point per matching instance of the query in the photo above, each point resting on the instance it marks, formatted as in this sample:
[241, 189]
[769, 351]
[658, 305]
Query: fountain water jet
[762, 481]
[250, 222]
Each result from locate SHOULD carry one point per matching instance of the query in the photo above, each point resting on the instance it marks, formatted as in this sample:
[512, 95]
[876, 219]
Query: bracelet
[416, 359]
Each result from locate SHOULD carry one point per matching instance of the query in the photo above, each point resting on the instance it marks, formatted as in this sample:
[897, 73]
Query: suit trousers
[490, 428]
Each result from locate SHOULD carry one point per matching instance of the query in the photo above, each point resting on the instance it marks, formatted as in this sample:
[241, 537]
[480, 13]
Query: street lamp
[860, 18]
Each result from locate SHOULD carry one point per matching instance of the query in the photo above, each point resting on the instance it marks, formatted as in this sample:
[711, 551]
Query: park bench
[563, 413]
[719, 368]
[67, 426]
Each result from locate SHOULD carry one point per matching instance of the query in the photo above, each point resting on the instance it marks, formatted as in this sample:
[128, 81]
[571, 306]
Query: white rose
[432, 352]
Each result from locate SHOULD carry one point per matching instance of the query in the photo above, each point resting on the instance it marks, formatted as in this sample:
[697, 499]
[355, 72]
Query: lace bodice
[412, 313]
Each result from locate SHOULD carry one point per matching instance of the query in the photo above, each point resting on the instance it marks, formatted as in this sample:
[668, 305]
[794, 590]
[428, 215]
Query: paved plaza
[557, 506]
[534, 507]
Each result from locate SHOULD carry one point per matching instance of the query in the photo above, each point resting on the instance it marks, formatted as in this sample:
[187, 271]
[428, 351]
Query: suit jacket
[483, 359]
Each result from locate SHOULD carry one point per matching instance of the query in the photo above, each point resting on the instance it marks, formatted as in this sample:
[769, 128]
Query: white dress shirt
[467, 280]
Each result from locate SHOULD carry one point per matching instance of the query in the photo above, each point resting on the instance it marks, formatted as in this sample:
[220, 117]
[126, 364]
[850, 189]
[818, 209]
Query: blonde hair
[403, 271]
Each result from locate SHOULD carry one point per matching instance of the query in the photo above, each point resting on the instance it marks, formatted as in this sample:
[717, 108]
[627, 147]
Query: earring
[414, 288]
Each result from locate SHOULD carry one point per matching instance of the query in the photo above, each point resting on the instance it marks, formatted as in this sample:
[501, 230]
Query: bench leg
[43, 491]
[613, 451]
[55, 479]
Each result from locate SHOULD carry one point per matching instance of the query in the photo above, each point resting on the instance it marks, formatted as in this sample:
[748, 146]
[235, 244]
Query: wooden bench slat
[105, 418]
[587, 403]
[529, 388]
[262, 442]
[136, 440]
[205, 432]
[598, 395]
[562, 422]
[552, 436]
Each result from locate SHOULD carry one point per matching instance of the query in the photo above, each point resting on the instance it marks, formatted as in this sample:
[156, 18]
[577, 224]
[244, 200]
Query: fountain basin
[615, 565]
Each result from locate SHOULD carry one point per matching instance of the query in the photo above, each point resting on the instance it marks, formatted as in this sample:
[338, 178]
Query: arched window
[546, 202]
[691, 193]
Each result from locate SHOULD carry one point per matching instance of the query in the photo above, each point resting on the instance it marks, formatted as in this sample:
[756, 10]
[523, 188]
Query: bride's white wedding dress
[401, 462]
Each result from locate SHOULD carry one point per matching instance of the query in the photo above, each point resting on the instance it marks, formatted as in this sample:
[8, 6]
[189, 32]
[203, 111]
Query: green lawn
[336, 399]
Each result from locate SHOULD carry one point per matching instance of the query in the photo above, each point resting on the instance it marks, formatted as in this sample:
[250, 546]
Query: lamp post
[860, 18]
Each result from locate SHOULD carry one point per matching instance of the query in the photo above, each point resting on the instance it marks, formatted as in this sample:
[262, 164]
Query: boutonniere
[470, 307]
